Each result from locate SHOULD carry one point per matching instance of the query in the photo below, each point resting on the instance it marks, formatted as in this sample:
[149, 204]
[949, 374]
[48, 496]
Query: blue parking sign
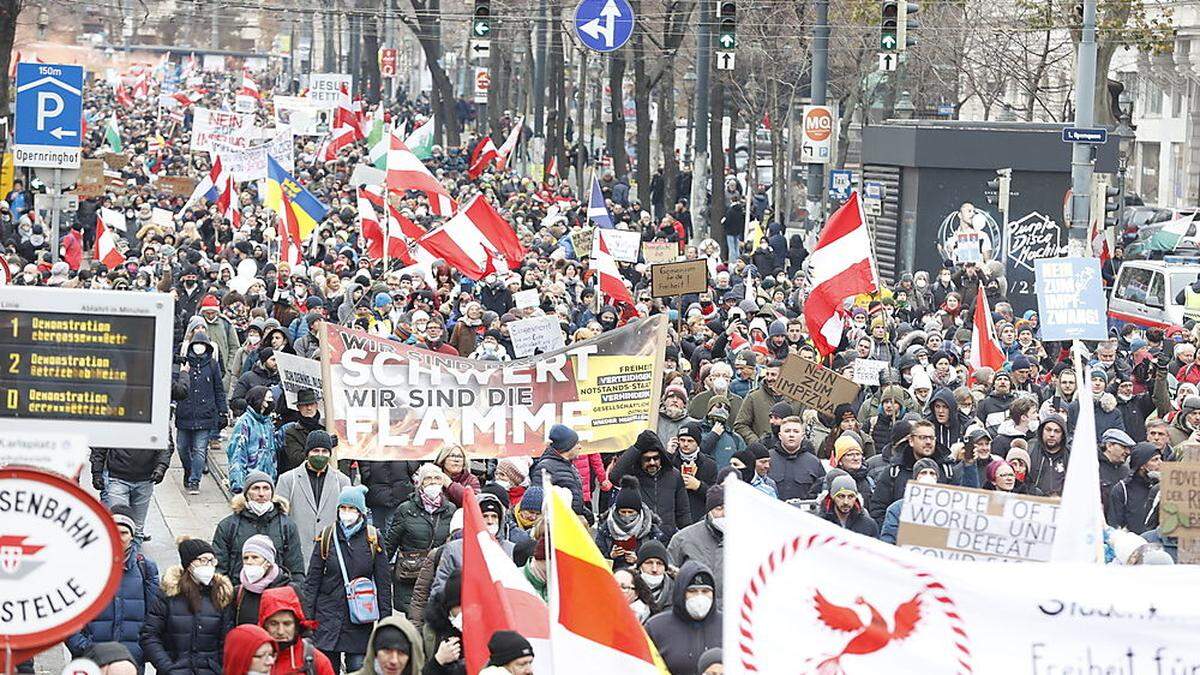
[49, 115]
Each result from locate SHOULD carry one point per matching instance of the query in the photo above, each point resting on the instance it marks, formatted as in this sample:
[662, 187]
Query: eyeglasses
[652, 458]
[207, 560]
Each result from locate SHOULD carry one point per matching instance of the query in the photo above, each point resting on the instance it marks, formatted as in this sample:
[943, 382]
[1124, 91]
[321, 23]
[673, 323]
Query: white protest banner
[866, 371]
[365, 174]
[323, 88]
[210, 127]
[1070, 296]
[956, 523]
[162, 217]
[296, 373]
[245, 104]
[114, 220]
[620, 244]
[526, 299]
[63, 454]
[249, 164]
[540, 333]
[864, 606]
[302, 116]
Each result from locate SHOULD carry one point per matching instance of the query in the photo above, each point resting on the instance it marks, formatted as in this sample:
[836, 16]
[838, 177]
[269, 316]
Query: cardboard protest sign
[210, 127]
[678, 278]
[539, 333]
[177, 185]
[388, 400]
[526, 299]
[296, 373]
[956, 523]
[581, 239]
[657, 252]
[91, 179]
[1070, 297]
[163, 218]
[115, 160]
[866, 371]
[622, 245]
[814, 385]
[1179, 510]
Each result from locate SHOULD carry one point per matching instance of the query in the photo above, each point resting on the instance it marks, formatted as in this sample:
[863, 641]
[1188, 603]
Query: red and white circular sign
[60, 558]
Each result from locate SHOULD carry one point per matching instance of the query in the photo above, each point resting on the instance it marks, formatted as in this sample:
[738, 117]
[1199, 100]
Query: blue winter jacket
[251, 447]
[205, 399]
[122, 619]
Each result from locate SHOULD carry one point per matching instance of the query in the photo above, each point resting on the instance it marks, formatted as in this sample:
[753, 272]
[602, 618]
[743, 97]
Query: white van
[1145, 290]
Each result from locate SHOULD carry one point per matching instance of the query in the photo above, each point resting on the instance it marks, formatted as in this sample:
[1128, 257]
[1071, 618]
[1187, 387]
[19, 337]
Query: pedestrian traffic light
[727, 24]
[999, 189]
[1112, 206]
[887, 26]
[906, 21]
[481, 20]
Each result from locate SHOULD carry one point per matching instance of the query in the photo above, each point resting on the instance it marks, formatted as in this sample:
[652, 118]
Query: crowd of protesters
[266, 592]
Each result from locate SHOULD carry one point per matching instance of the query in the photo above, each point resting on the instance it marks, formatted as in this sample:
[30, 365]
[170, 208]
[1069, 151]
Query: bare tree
[9, 11]
[426, 25]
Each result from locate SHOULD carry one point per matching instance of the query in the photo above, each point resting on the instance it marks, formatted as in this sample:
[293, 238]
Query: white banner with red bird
[803, 595]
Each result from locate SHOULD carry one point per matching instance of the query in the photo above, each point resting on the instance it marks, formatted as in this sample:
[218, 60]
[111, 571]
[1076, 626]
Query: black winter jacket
[562, 474]
[680, 638]
[663, 492]
[204, 401]
[234, 529]
[389, 483]
[177, 641]
[324, 595]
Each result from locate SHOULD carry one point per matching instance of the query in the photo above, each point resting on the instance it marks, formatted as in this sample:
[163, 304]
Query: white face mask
[259, 508]
[348, 519]
[198, 349]
[493, 529]
[432, 491]
[698, 606]
[719, 522]
[204, 574]
[456, 621]
[653, 580]
[254, 572]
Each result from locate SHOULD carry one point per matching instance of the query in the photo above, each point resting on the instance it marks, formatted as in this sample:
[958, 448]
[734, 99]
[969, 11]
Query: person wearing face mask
[258, 571]
[419, 524]
[202, 412]
[249, 650]
[282, 616]
[442, 631]
[188, 295]
[926, 472]
[221, 333]
[720, 375]
[185, 629]
[626, 525]
[654, 568]
[252, 442]
[291, 437]
[704, 540]
[692, 625]
[258, 512]
[312, 489]
[719, 442]
[1131, 500]
[264, 373]
[349, 549]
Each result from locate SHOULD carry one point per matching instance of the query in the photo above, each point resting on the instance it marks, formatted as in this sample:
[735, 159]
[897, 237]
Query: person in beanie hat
[395, 648]
[347, 549]
[291, 448]
[843, 507]
[704, 540]
[558, 461]
[848, 456]
[529, 510]
[626, 525]
[653, 566]
[699, 471]
[119, 623]
[444, 622]
[311, 490]
[259, 571]
[186, 626]
[711, 662]
[509, 653]
[259, 512]
[672, 412]
[926, 471]
[1131, 502]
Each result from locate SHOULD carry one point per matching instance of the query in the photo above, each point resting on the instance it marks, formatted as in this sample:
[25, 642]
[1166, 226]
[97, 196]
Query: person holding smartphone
[699, 471]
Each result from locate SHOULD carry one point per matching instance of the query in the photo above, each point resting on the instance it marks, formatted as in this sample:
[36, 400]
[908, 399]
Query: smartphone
[688, 469]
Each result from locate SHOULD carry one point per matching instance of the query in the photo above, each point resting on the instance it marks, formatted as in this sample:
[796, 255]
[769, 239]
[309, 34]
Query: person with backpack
[282, 616]
[258, 511]
[348, 567]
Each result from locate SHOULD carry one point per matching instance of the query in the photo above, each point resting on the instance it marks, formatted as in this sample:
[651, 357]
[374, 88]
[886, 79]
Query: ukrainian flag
[307, 210]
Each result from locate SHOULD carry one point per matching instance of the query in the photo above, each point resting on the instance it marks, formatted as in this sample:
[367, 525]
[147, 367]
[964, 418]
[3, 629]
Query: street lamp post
[1125, 135]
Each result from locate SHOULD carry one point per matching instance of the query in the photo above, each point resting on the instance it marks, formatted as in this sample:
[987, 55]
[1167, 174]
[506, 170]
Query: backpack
[326, 540]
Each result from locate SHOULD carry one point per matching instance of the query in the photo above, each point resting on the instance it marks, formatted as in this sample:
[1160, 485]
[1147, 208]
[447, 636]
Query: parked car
[1145, 290]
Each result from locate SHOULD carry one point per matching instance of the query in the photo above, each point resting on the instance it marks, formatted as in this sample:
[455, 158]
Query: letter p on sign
[49, 106]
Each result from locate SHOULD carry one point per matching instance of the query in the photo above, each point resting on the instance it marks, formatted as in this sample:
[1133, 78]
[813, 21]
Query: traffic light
[905, 22]
[481, 20]
[887, 26]
[1105, 202]
[727, 25]
[1112, 206]
[1001, 185]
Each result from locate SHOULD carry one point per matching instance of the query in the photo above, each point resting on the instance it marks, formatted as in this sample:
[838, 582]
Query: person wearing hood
[202, 413]
[719, 442]
[291, 436]
[921, 389]
[943, 413]
[188, 295]
[921, 442]
[312, 490]
[349, 549]
[627, 525]
[509, 653]
[692, 624]
[754, 467]
[794, 464]
[395, 648]
[993, 408]
[248, 347]
[442, 631]
[185, 629]
[419, 525]
[249, 650]
[1049, 454]
[121, 620]
[1186, 423]
[252, 442]
[704, 540]
[883, 418]
[1104, 404]
[258, 511]
[659, 481]
[843, 506]
[1131, 500]
[265, 373]
[1115, 448]
[280, 614]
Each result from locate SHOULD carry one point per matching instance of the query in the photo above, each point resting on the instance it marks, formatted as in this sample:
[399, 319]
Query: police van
[1145, 290]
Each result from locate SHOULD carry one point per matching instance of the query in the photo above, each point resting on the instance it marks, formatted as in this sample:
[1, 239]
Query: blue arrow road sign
[1097, 136]
[49, 115]
[604, 25]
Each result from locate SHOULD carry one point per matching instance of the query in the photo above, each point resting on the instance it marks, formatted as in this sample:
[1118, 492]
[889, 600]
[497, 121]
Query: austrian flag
[106, 246]
[841, 268]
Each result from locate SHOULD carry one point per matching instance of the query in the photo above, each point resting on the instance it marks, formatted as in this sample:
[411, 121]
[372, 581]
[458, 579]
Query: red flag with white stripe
[841, 268]
[400, 233]
[510, 144]
[249, 86]
[227, 201]
[405, 172]
[288, 230]
[476, 241]
[481, 156]
[106, 250]
[985, 348]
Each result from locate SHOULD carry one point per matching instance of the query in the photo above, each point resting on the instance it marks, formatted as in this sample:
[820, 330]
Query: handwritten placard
[678, 278]
[814, 385]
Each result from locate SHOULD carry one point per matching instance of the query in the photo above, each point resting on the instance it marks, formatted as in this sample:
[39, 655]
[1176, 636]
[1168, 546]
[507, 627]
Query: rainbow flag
[592, 629]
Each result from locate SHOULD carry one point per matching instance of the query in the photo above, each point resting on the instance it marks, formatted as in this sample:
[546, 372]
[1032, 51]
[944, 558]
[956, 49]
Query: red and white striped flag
[985, 348]
[227, 201]
[249, 86]
[346, 129]
[510, 144]
[841, 268]
[405, 172]
[106, 250]
[288, 230]
[609, 278]
[476, 241]
[400, 233]
[481, 156]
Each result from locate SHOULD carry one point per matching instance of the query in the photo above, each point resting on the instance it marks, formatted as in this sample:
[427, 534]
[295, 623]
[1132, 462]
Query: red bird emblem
[871, 637]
